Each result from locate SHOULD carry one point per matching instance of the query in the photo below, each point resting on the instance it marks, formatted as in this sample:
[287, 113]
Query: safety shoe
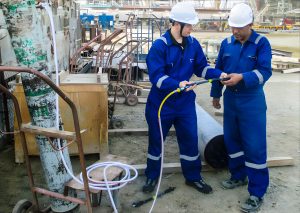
[149, 185]
[231, 183]
[252, 204]
[200, 185]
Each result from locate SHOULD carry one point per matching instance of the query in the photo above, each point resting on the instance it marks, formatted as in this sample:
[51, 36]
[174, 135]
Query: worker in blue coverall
[246, 58]
[171, 61]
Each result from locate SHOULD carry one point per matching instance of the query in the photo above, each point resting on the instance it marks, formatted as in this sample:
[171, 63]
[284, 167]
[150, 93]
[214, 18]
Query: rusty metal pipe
[74, 57]
[23, 141]
[106, 41]
[58, 195]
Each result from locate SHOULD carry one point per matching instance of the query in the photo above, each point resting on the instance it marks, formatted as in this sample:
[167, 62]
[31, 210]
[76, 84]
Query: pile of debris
[283, 62]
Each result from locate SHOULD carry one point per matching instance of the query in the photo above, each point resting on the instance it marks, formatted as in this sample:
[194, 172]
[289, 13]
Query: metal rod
[5, 103]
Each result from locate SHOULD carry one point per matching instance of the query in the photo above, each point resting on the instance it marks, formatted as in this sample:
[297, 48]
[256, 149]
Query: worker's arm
[202, 68]
[156, 64]
[217, 86]
[263, 69]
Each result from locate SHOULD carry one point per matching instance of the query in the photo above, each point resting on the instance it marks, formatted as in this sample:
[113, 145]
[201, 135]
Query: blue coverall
[245, 109]
[168, 64]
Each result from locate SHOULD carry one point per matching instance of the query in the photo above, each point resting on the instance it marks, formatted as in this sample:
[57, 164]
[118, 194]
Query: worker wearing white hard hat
[172, 60]
[240, 20]
[184, 14]
[246, 58]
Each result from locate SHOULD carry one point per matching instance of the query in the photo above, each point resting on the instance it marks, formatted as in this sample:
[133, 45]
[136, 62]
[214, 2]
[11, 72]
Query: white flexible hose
[161, 164]
[93, 184]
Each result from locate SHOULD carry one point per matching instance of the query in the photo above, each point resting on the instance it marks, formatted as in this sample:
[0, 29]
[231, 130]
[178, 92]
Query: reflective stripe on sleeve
[189, 158]
[164, 40]
[238, 154]
[160, 80]
[256, 166]
[229, 40]
[259, 76]
[258, 39]
[205, 70]
[153, 157]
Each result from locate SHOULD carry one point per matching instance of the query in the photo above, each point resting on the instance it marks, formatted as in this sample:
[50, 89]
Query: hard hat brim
[192, 22]
[231, 24]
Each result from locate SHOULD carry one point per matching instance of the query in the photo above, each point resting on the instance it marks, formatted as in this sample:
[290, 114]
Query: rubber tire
[22, 206]
[131, 100]
[116, 124]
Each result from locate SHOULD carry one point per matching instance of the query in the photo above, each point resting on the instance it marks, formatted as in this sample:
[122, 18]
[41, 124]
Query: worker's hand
[223, 75]
[185, 83]
[216, 103]
[234, 79]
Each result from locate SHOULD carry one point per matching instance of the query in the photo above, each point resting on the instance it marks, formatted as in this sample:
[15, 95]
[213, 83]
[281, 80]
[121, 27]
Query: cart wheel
[116, 124]
[22, 206]
[131, 100]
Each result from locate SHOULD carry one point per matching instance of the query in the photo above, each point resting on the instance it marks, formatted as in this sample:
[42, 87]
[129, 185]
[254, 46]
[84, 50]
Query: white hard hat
[184, 12]
[240, 15]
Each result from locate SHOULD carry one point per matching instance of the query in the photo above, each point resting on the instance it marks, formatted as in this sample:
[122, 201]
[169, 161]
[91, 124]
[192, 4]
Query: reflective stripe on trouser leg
[252, 121]
[186, 131]
[232, 139]
[154, 146]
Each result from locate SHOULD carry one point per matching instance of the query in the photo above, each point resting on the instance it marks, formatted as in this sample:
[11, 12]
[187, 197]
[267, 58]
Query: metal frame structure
[76, 136]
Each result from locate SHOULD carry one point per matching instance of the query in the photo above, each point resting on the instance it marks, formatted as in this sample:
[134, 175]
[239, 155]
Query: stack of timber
[285, 64]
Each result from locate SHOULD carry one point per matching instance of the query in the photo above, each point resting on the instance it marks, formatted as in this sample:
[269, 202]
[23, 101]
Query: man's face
[241, 33]
[187, 30]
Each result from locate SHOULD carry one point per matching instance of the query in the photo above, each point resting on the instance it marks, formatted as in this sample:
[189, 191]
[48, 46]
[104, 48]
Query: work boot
[200, 185]
[252, 204]
[149, 185]
[231, 183]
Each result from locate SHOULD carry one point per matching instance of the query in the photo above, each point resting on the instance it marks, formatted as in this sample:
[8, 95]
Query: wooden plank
[138, 131]
[85, 78]
[280, 161]
[285, 59]
[176, 167]
[98, 173]
[281, 53]
[121, 100]
[49, 132]
[170, 168]
[292, 70]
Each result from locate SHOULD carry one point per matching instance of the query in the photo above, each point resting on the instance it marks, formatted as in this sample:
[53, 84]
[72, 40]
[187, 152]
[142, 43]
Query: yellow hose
[164, 100]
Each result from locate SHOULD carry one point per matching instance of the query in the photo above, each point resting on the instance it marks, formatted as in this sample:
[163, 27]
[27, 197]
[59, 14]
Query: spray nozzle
[201, 82]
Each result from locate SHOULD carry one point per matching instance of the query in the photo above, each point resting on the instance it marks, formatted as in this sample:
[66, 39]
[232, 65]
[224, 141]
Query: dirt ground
[283, 132]
[282, 92]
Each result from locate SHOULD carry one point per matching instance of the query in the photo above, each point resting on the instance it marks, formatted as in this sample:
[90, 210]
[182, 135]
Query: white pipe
[210, 139]
[207, 128]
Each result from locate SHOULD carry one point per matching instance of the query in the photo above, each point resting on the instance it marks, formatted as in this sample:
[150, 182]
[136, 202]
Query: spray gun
[201, 82]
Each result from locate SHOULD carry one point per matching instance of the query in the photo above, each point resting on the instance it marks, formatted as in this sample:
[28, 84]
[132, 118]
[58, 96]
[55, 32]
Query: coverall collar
[169, 37]
[183, 44]
[252, 37]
